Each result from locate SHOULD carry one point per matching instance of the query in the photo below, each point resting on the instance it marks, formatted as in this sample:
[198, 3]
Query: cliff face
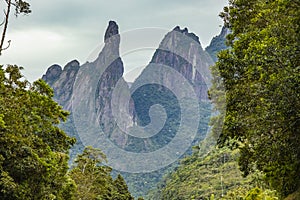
[179, 51]
[108, 66]
[182, 51]
[112, 69]
[178, 70]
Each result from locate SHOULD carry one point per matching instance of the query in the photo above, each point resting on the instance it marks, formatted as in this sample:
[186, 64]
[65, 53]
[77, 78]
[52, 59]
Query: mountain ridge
[179, 51]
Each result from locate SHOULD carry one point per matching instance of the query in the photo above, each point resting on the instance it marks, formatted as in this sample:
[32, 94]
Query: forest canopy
[261, 76]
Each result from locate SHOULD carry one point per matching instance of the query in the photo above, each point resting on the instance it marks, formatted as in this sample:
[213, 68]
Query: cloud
[58, 31]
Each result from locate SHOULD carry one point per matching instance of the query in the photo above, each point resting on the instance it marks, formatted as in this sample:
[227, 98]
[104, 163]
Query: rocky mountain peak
[182, 51]
[185, 31]
[217, 44]
[62, 81]
[52, 74]
[71, 64]
[110, 52]
[111, 30]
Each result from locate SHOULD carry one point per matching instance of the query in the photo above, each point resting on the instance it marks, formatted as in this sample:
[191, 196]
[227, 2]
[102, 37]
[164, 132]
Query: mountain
[100, 101]
[177, 76]
[182, 51]
[62, 82]
[217, 44]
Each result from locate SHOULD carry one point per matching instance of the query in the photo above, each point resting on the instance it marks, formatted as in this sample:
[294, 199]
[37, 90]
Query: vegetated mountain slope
[200, 176]
[211, 173]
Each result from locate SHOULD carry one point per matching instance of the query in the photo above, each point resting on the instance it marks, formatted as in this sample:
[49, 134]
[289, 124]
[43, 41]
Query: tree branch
[2, 22]
[5, 26]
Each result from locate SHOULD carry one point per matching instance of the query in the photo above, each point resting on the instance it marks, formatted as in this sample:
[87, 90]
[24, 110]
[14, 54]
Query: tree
[33, 150]
[21, 7]
[121, 189]
[93, 179]
[261, 77]
[257, 194]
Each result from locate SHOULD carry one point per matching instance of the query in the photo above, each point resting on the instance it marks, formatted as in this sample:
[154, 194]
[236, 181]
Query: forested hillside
[209, 174]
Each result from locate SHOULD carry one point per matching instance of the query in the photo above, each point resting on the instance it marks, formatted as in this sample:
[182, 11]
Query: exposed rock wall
[179, 50]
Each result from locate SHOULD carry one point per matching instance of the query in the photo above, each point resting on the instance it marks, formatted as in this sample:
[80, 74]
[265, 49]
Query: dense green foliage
[206, 174]
[257, 193]
[261, 76]
[93, 179]
[33, 151]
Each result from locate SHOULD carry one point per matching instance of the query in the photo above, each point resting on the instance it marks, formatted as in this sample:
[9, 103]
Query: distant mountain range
[177, 76]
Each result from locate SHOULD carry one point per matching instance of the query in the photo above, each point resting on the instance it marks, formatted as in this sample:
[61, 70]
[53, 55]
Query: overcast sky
[58, 31]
